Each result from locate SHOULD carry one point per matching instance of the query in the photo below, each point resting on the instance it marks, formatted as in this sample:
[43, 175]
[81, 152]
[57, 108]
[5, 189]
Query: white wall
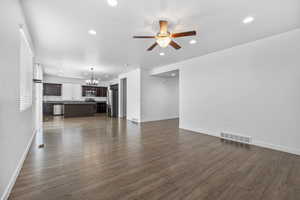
[160, 97]
[149, 98]
[252, 89]
[71, 88]
[38, 98]
[16, 128]
[59, 79]
[133, 95]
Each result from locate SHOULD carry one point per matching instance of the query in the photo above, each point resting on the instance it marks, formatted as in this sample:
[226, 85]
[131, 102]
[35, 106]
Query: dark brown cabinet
[94, 91]
[52, 89]
[79, 109]
[101, 92]
[101, 107]
[88, 91]
[47, 109]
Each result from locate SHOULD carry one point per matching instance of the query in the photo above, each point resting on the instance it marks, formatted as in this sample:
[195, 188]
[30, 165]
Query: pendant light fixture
[92, 81]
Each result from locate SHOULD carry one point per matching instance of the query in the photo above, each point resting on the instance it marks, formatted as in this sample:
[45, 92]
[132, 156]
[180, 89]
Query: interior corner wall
[252, 89]
[160, 97]
[16, 128]
[133, 95]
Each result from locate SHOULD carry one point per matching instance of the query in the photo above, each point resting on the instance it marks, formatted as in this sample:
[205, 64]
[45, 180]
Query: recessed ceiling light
[112, 3]
[193, 41]
[173, 74]
[248, 20]
[92, 32]
[161, 53]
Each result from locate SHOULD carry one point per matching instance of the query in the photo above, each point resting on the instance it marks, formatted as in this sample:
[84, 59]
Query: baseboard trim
[254, 142]
[134, 121]
[276, 147]
[202, 131]
[16, 173]
[151, 120]
[161, 119]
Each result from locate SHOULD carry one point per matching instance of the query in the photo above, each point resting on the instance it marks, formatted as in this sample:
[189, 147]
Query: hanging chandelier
[92, 81]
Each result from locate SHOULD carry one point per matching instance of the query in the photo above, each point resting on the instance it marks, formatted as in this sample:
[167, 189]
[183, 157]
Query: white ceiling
[168, 74]
[60, 30]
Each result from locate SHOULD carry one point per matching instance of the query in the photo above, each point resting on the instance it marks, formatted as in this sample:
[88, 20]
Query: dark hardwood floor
[97, 158]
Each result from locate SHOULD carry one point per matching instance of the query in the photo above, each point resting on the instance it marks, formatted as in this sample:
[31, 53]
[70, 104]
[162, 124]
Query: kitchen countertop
[73, 102]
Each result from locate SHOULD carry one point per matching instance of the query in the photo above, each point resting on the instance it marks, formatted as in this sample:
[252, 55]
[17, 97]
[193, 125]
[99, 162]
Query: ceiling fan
[164, 37]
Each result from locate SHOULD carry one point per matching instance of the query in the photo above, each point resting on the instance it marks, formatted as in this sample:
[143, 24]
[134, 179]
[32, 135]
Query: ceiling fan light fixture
[193, 41]
[164, 37]
[163, 42]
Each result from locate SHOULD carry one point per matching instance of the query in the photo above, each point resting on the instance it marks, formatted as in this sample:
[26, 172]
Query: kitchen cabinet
[76, 109]
[47, 109]
[52, 89]
[94, 91]
[101, 92]
[88, 91]
[101, 107]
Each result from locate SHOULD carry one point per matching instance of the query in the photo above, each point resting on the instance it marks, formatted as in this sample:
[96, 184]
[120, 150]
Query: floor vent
[236, 138]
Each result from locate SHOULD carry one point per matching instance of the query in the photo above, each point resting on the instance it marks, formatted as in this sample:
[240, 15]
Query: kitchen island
[72, 108]
[79, 109]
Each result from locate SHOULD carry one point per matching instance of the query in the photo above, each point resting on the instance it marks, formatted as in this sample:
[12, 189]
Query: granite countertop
[73, 102]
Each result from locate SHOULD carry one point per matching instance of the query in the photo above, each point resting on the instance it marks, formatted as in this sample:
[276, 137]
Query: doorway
[123, 99]
[115, 100]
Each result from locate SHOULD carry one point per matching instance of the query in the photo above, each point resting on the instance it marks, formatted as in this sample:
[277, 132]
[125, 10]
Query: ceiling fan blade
[183, 34]
[163, 26]
[175, 45]
[152, 46]
[143, 36]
